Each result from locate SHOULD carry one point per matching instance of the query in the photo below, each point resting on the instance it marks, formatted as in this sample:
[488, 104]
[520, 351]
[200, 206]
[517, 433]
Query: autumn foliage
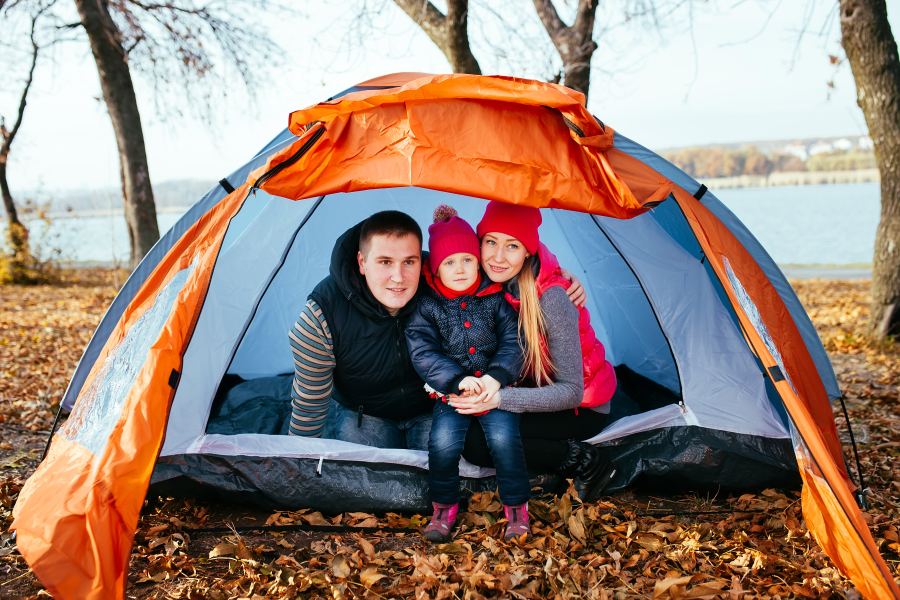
[722, 162]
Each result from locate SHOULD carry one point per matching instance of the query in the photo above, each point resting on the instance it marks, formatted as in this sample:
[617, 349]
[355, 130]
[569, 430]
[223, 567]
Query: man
[349, 343]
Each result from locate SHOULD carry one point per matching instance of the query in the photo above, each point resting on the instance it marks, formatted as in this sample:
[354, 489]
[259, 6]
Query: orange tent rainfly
[185, 387]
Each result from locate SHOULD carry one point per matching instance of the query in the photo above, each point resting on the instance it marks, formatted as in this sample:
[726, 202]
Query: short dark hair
[387, 222]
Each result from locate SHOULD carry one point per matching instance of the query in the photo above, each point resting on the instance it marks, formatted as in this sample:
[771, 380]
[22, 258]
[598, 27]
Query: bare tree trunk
[118, 93]
[15, 265]
[574, 44]
[449, 33]
[867, 39]
[7, 139]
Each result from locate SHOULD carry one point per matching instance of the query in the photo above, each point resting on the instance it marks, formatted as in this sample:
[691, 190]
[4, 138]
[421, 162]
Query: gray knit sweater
[564, 344]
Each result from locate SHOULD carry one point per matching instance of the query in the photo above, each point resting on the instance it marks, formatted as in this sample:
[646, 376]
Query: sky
[744, 70]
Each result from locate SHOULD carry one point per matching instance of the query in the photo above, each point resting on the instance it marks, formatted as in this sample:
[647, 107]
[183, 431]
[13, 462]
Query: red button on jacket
[472, 350]
[467, 324]
[477, 373]
[463, 305]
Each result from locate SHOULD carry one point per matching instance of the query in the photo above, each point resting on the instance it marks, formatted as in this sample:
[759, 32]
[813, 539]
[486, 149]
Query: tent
[181, 386]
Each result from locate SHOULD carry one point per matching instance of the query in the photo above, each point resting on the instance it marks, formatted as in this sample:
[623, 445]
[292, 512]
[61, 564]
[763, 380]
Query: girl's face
[459, 271]
[502, 256]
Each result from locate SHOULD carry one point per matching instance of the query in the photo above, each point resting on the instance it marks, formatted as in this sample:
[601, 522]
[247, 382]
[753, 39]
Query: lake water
[800, 225]
[811, 224]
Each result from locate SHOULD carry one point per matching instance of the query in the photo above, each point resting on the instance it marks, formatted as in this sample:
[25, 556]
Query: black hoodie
[373, 370]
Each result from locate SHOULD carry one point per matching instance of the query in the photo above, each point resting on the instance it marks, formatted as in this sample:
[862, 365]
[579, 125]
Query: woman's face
[502, 256]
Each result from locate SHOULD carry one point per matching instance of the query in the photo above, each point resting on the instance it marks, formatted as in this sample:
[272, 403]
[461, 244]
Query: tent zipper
[296, 156]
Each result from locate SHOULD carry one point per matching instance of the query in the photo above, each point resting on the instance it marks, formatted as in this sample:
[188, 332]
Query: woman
[565, 395]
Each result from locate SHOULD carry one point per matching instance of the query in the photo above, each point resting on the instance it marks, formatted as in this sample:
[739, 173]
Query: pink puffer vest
[599, 376]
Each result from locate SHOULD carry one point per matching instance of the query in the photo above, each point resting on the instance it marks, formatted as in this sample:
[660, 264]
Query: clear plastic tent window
[756, 319]
[100, 405]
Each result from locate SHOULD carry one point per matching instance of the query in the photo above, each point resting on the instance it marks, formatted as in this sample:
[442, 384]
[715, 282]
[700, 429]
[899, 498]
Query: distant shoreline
[106, 212]
[778, 179]
[792, 178]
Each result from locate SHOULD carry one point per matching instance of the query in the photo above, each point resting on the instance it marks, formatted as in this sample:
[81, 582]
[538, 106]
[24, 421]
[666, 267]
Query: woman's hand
[576, 291]
[487, 400]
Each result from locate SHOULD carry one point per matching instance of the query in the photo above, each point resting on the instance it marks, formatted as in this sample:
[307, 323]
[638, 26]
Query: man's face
[392, 268]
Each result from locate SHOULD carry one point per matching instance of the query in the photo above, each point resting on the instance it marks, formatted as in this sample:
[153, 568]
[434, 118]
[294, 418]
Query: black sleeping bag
[255, 406]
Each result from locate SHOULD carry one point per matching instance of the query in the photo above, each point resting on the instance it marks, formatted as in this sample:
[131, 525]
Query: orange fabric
[832, 514]
[496, 138]
[645, 183]
[836, 534]
[76, 516]
[394, 79]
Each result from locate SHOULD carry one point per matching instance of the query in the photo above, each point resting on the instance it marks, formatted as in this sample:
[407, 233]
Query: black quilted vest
[373, 369]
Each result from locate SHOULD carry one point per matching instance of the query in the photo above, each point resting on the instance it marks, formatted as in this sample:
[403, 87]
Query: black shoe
[591, 471]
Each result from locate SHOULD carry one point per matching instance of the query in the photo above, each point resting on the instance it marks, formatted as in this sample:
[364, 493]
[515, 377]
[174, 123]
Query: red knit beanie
[450, 235]
[520, 222]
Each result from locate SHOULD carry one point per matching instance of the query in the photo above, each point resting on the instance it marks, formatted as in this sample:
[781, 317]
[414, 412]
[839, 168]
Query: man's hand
[576, 291]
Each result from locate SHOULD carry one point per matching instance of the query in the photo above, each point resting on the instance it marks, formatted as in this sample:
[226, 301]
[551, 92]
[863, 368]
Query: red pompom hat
[520, 222]
[449, 235]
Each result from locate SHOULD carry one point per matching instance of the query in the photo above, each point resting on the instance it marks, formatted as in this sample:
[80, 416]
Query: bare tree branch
[8, 135]
[574, 44]
[448, 32]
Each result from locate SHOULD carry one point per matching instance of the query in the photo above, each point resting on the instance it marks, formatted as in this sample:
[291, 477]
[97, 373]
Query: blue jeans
[448, 435]
[343, 424]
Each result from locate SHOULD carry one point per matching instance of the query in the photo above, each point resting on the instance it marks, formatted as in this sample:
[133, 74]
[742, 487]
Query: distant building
[798, 150]
[843, 144]
[821, 148]
[865, 143]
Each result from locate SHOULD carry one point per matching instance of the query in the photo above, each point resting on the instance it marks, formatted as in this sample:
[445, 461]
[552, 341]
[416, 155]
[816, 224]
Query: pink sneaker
[517, 523]
[442, 521]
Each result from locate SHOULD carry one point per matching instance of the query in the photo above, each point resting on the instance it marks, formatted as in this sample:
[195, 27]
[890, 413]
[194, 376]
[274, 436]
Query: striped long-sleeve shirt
[314, 365]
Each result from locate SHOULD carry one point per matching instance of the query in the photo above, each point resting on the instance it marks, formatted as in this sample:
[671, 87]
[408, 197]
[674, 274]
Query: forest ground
[635, 544]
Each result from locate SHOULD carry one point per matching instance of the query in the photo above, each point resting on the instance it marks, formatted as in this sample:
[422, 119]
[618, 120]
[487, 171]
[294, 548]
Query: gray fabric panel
[740, 231]
[161, 248]
[156, 254]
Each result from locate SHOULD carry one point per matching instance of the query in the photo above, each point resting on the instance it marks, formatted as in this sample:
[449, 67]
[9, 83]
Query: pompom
[444, 212]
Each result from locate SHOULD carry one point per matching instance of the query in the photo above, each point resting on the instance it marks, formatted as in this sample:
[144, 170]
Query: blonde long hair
[533, 328]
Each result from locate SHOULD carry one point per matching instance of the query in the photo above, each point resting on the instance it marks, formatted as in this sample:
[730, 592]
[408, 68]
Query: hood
[344, 271]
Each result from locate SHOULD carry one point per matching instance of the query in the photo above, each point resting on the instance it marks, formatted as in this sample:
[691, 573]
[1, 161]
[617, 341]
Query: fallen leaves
[758, 547]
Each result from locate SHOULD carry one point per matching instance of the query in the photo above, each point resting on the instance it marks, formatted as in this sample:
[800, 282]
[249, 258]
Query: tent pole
[862, 490]
[52, 431]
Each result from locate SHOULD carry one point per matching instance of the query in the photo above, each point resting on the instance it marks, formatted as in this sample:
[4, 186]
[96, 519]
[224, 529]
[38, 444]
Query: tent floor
[673, 459]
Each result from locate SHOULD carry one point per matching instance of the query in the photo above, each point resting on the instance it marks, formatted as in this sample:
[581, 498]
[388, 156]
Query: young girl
[463, 339]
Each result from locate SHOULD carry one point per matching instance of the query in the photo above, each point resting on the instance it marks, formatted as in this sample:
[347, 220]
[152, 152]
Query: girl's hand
[576, 291]
[490, 387]
[471, 386]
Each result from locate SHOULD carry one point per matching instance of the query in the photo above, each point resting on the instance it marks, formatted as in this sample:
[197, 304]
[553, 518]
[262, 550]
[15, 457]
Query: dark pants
[544, 434]
[500, 429]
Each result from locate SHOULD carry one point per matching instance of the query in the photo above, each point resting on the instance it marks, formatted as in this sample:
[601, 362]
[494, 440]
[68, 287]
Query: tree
[450, 32]
[8, 135]
[175, 43]
[121, 102]
[575, 44]
[18, 266]
[180, 46]
[518, 39]
[872, 51]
